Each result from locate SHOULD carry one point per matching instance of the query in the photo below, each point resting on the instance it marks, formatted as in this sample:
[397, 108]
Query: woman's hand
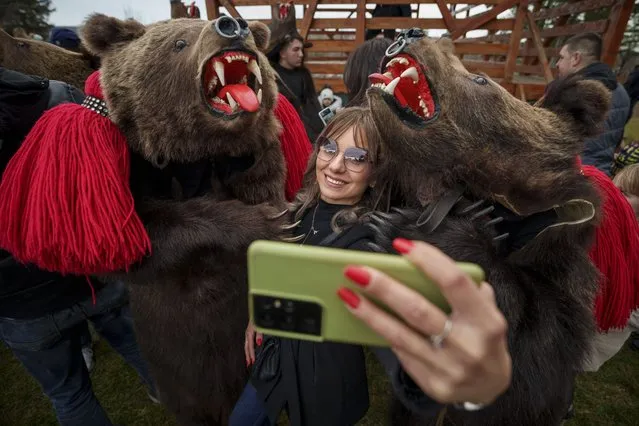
[471, 363]
[251, 337]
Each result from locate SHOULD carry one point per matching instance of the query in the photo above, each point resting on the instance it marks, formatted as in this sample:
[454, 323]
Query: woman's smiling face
[338, 183]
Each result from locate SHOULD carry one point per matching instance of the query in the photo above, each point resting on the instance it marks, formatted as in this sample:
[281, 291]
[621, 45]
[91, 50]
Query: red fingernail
[358, 275]
[403, 245]
[259, 341]
[349, 297]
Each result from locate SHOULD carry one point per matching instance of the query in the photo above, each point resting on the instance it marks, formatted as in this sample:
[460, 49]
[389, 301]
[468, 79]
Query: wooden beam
[469, 48]
[325, 67]
[551, 52]
[515, 40]
[479, 20]
[388, 2]
[446, 15]
[572, 8]
[619, 15]
[522, 92]
[532, 25]
[212, 9]
[228, 4]
[337, 84]
[568, 30]
[360, 24]
[308, 19]
[333, 46]
[395, 22]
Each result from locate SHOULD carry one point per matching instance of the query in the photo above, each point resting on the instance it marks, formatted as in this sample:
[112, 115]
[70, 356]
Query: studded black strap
[97, 105]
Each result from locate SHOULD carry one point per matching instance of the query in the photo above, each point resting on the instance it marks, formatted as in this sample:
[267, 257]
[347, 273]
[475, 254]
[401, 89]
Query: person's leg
[111, 318]
[87, 346]
[249, 410]
[52, 355]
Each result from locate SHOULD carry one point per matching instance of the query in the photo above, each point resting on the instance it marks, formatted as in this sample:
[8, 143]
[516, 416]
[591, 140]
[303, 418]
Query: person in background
[384, 11]
[43, 315]
[632, 87]
[627, 180]
[328, 99]
[362, 62]
[582, 54]
[65, 38]
[295, 81]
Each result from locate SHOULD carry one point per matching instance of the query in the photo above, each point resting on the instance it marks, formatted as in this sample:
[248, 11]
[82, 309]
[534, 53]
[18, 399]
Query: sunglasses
[355, 159]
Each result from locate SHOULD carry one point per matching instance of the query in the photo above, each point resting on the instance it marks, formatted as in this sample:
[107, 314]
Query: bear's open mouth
[232, 82]
[407, 88]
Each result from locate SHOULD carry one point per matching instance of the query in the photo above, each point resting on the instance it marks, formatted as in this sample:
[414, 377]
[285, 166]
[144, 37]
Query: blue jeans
[249, 410]
[50, 348]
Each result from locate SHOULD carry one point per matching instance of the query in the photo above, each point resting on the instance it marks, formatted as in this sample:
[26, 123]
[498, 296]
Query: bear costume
[47, 60]
[193, 102]
[492, 180]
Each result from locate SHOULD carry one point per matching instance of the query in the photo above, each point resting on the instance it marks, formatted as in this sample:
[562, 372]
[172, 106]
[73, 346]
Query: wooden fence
[515, 42]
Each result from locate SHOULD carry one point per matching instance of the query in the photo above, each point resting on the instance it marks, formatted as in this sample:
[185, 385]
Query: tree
[30, 15]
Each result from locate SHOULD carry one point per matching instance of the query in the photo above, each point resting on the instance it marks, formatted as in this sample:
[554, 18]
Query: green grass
[608, 397]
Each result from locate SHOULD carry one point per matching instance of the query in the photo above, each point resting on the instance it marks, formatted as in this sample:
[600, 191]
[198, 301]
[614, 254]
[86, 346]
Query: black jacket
[632, 87]
[26, 291]
[599, 151]
[325, 383]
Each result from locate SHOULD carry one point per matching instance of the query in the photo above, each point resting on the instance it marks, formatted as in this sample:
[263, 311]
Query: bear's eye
[480, 80]
[22, 44]
[180, 44]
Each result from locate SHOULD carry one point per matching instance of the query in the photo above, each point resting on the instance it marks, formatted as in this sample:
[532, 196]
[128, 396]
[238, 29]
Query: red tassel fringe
[295, 144]
[65, 200]
[616, 255]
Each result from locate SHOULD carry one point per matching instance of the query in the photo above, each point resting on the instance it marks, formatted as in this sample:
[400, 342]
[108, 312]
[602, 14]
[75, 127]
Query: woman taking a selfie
[325, 383]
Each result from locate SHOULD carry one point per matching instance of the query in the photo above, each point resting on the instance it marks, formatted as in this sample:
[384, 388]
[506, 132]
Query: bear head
[185, 90]
[444, 125]
[47, 60]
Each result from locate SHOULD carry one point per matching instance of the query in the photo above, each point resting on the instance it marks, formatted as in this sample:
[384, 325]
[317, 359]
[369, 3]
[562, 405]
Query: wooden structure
[515, 42]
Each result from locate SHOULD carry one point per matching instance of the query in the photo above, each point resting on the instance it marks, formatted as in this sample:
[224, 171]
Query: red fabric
[616, 255]
[295, 144]
[65, 200]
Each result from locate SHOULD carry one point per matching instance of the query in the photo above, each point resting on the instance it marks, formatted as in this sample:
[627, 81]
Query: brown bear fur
[45, 60]
[189, 298]
[520, 159]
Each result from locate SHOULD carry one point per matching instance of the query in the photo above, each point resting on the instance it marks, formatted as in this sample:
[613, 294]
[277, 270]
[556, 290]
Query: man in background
[582, 54]
[296, 82]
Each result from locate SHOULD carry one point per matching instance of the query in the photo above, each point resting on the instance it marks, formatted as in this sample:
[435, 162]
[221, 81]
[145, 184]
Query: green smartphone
[293, 290]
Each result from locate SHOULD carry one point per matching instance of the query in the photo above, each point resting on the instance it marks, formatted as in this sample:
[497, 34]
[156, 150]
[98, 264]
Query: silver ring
[438, 340]
[396, 47]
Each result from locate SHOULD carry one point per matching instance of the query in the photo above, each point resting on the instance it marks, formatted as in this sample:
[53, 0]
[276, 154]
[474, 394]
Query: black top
[26, 291]
[325, 383]
[318, 383]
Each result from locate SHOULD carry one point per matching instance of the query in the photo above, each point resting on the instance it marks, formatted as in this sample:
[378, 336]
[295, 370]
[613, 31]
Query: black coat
[325, 383]
[26, 291]
[599, 151]
[317, 383]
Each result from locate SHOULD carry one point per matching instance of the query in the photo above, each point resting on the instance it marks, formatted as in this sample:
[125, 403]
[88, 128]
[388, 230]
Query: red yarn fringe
[295, 144]
[65, 201]
[616, 255]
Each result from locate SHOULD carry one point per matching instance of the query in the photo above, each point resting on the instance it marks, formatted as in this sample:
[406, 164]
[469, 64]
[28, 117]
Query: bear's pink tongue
[243, 95]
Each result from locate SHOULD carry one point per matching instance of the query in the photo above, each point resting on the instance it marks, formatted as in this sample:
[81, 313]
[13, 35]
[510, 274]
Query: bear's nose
[227, 27]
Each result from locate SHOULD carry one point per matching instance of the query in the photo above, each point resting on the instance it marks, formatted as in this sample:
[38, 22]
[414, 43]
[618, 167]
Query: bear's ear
[261, 34]
[102, 33]
[586, 102]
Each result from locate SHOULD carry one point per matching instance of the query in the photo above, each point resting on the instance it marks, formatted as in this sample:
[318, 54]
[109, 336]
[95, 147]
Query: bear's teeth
[388, 74]
[255, 69]
[403, 61]
[259, 95]
[243, 80]
[390, 88]
[231, 101]
[412, 73]
[219, 70]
